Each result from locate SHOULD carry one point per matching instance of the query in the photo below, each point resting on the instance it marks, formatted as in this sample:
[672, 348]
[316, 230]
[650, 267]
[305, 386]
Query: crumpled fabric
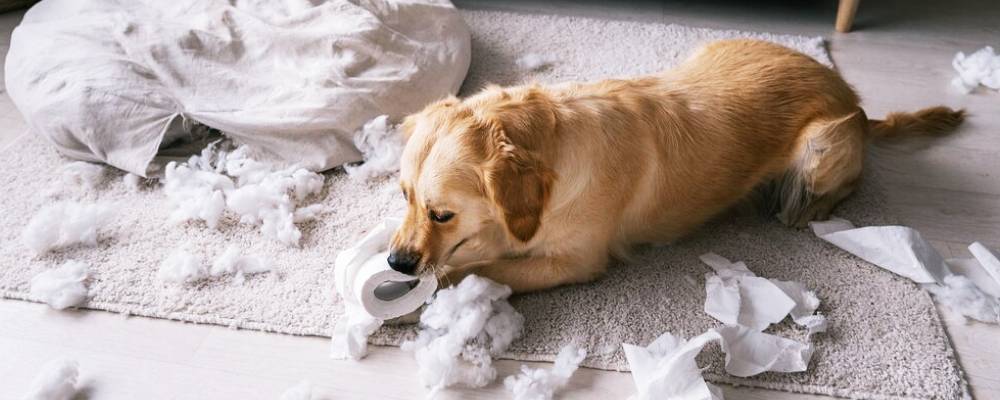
[115, 81]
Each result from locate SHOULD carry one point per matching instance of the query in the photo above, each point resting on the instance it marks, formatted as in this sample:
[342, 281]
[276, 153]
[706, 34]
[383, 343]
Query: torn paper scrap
[988, 259]
[724, 267]
[349, 339]
[806, 303]
[903, 251]
[749, 301]
[541, 384]
[462, 328]
[735, 296]
[56, 381]
[64, 224]
[750, 352]
[666, 369]
[813, 323]
[979, 68]
[898, 249]
[832, 225]
[362, 277]
[62, 287]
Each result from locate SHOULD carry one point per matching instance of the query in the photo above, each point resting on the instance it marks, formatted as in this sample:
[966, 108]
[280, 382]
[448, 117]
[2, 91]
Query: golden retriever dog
[538, 186]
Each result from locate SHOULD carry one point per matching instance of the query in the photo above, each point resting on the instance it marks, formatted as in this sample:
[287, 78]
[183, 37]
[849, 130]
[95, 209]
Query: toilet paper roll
[387, 294]
[364, 277]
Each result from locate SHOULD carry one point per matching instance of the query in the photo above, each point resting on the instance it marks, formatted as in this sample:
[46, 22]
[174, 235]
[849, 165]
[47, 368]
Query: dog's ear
[516, 179]
[519, 185]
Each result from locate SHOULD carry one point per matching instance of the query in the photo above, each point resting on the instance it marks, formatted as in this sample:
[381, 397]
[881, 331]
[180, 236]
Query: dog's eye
[441, 217]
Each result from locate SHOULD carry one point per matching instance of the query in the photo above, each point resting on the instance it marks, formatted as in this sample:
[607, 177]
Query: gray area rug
[885, 342]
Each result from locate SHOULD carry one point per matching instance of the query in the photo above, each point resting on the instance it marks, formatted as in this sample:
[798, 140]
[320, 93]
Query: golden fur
[545, 183]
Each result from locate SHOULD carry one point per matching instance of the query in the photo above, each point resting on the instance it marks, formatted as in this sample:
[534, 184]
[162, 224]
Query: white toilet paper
[372, 291]
[387, 294]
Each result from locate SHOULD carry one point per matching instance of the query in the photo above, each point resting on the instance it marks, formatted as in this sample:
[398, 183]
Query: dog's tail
[929, 121]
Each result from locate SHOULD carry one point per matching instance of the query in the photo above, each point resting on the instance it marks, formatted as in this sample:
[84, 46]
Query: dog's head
[473, 178]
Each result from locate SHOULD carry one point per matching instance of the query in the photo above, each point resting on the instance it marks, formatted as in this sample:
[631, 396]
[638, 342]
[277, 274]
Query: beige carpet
[885, 342]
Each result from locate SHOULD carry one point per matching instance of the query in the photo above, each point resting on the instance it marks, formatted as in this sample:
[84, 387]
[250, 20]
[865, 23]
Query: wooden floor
[898, 58]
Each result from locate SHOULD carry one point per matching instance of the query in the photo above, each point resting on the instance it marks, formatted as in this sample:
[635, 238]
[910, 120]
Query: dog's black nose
[404, 261]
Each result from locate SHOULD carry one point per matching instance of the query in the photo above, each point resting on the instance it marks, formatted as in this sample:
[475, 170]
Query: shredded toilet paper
[903, 251]
[749, 352]
[666, 369]
[736, 296]
[988, 260]
[898, 249]
[56, 381]
[62, 287]
[358, 272]
[462, 328]
[979, 68]
[541, 384]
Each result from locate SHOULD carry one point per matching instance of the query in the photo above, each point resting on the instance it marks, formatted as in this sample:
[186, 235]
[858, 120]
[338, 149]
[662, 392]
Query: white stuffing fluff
[979, 68]
[132, 181]
[381, 145]
[541, 384]
[302, 391]
[56, 381]
[232, 262]
[259, 193]
[461, 329]
[65, 224]
[83, 174]
[62, 287]
[182, 267]
[961, 295]
[534, 61]
[308, 213]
